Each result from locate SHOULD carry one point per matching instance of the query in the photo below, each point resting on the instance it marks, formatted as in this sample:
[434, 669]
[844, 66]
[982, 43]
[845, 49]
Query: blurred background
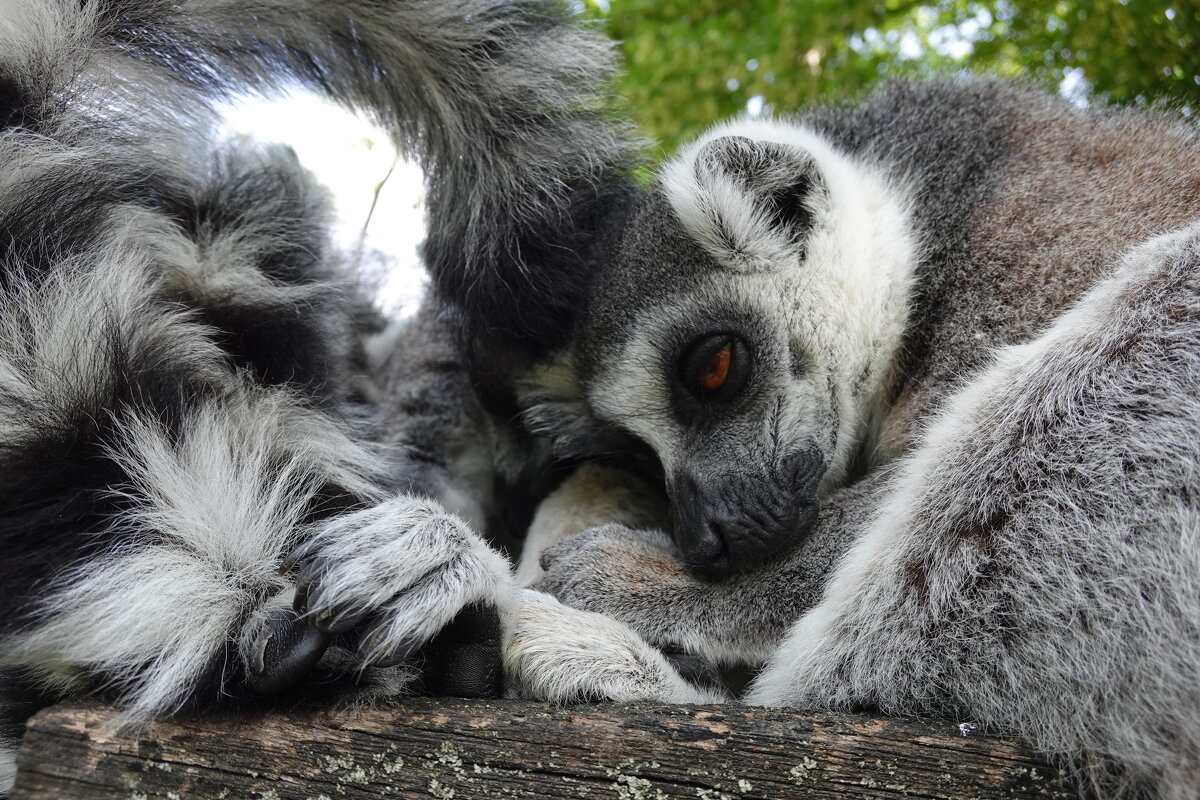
[690, 63]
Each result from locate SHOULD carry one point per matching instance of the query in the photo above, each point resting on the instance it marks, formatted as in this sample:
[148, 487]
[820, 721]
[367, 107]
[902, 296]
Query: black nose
[725, 527]
[703, 546]
[705, 551]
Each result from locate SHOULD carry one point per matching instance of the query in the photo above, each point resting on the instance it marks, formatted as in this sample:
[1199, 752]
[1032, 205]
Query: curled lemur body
[880, 291]
[921, 374]
[196, 508]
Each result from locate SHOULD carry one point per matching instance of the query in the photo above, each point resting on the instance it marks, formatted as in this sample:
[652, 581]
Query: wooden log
[443, 749]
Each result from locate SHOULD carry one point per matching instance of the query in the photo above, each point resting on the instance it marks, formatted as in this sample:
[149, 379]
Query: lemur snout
[729, 525]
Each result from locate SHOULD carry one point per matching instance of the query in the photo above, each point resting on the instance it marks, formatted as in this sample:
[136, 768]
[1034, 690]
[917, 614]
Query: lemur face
[739, 415]
[738, 333]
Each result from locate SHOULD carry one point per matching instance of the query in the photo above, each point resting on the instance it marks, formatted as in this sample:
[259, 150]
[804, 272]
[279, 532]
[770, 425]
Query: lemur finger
[357, 564]
[382, 648]
[300, 597]
[284, 651]
[299, 553]
[339, 620]
[418, 614]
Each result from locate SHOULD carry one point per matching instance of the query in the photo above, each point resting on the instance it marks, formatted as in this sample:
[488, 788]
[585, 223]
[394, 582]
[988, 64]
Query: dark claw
[399, 653]
[300, 600]
[335, 621]
[285, 652]
[464, 660]
[295, 557]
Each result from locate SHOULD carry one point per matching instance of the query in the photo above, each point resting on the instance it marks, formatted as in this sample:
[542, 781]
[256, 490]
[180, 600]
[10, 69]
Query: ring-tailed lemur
[942, 349]
[178, 408]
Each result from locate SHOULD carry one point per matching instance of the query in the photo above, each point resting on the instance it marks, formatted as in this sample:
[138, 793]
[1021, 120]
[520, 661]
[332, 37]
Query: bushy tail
[502, 101]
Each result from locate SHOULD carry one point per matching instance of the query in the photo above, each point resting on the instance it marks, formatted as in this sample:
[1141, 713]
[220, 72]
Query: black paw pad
[464, 659]
[284, 652]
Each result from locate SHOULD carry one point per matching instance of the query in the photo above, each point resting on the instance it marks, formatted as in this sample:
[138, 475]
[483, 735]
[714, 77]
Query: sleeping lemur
[916, 379]
[921, 380]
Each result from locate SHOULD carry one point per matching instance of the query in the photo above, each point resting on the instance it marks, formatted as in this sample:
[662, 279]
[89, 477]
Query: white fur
[212, 515]
[562, 655]
[844, 304]
[411, 564]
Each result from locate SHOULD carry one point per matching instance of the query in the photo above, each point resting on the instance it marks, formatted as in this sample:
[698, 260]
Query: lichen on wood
[443, 749]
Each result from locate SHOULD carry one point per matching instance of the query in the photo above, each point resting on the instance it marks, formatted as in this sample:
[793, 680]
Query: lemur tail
[504, 102]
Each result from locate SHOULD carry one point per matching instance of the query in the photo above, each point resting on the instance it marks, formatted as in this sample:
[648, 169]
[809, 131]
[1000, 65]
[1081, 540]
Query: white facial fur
[838, 299]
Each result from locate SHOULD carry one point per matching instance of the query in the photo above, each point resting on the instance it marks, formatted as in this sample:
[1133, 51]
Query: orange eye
[716, 372]
[714, 369]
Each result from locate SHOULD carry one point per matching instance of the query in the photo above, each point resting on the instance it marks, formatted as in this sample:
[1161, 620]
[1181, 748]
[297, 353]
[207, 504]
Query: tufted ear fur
[779, 176]
[756, 201]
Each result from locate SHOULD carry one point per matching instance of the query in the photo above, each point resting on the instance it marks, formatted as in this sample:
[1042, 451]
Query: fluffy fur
[552, 652]
[1031, 569]
[182, 402]
[1006, 353]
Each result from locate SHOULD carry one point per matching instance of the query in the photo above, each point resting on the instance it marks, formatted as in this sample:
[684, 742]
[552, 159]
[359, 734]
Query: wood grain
[443, 749]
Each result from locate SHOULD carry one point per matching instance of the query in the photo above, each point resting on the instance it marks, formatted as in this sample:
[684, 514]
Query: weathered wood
[423, 748]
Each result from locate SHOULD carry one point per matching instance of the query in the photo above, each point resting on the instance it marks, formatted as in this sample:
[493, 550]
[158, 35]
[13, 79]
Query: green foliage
[692, 62]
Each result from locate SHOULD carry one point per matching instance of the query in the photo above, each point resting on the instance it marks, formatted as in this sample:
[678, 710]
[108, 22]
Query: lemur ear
[779, 177]
[751, 203]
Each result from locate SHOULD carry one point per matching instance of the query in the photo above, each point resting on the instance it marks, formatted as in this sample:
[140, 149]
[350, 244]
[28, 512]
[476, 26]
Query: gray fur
[732, 623]
[441, 75]
[8, 759]
[181, 340]
[1035, 568]
[1023, 552]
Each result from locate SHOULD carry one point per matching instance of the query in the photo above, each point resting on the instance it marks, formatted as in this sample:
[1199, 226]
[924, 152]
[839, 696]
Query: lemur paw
[278, 647]
[392, 576]
[563, 655]
[616, 571]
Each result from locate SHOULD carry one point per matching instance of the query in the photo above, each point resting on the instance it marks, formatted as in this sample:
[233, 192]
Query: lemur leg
[1035, 566]
[402, 570]
[636, 576]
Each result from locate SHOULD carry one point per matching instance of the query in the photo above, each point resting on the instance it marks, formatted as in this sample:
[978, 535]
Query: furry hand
[638, 578]
[387, 580]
